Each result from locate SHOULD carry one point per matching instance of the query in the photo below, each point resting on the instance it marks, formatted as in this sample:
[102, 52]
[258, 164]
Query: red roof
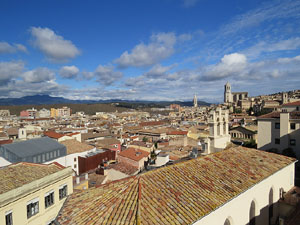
[4, 142]
[274, 115]
[53, 134]
[177, 132]
[297, 103]
[134, 154]
[151, 123]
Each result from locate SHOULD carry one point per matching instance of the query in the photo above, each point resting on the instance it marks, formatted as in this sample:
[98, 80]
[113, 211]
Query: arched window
[252, 213]
[228, 221]
[271, 201]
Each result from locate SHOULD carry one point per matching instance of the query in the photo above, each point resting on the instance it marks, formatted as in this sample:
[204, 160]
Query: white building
[279, 130]
[219, 136]
[44, 113]
[74, 150]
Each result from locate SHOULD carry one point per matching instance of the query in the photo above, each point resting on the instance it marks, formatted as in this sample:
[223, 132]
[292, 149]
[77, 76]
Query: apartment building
[279, 130]
[33, 193]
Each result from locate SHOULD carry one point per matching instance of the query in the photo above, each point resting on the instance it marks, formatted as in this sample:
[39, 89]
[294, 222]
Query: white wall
[238, 209]
[68, 160]
[264, 140]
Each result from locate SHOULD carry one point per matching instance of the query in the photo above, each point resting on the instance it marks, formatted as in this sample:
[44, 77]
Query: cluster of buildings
[44, 113]
[180, 165]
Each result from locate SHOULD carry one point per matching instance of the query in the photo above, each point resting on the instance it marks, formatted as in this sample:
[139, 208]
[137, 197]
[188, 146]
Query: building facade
[33, 194]
[280, 131]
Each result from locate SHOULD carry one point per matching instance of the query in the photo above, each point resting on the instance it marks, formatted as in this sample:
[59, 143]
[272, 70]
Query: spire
[195, 101]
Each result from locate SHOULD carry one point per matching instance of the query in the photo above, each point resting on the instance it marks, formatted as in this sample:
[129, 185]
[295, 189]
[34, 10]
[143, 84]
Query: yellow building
[54, 112]
[33, 193]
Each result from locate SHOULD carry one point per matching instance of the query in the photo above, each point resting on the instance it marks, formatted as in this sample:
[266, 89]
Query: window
[49, 199]
[32, 208]
[8, 218]
[63, 191]
[54, 154]
[277, 141]
[51, 155]
[43, 157]
[39, 158]
[75, 159]
[277, 125]
[293, 126]
[293, 142]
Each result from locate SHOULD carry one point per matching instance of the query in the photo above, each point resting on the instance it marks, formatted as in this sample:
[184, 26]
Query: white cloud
[158, 71]
[69, 72]
[8, 48]
[10, 70]
[38, 75]
[230, 65]
[106, 75]
[161, 46]
[55, 47]
[282, 45]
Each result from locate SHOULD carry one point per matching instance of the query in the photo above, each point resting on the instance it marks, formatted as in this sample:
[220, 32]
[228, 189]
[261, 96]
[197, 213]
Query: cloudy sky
[148, 50]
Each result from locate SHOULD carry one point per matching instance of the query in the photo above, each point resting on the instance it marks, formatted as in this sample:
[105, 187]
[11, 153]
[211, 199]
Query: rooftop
[181, 193]
[275, 115]
[17, 175]
[297, 103]
[33, 146]
[134, 154]
[74, 146]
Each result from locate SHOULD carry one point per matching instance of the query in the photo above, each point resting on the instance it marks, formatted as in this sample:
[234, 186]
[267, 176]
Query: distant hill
[48, 100]
[16, 105]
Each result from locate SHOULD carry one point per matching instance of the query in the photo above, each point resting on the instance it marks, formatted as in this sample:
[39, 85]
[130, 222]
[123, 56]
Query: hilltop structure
[233, 97]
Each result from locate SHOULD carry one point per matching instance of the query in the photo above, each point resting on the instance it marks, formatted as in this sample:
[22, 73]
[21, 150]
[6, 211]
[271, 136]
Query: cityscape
[150, 112]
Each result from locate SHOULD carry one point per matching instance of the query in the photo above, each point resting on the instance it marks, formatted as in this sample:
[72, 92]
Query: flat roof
[33, 147]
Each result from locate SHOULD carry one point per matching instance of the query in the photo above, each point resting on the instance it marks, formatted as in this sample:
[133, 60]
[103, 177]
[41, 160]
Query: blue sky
[148, 50]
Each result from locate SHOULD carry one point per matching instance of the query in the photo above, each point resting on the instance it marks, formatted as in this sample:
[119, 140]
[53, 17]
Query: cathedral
[233, 97]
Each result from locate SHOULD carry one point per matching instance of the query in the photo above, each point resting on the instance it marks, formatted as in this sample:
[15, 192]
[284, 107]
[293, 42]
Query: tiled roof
[134, 154]
[152, 123]
[4, 142]
[124, 168]
[53, 134]
[177, 132]
[179, 194]
[274, 115]
[17, 175]
[74, 146]
[297, 103]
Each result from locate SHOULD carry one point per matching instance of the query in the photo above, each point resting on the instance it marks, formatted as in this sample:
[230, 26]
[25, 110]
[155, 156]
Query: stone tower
[195, 101]
[227, 93]
[284, 97]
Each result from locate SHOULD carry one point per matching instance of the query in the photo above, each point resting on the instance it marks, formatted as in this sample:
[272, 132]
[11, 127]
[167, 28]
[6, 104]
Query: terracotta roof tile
[53, 134]
[17, 175]
[297, 103]
[74, 146]
[177, 194]
[134, 154]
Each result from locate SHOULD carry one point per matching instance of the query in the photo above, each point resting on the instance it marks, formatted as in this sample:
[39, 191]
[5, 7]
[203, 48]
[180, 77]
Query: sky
[148, 50]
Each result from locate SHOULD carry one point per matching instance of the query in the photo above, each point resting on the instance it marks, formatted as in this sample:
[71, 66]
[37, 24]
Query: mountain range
[47, 100]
